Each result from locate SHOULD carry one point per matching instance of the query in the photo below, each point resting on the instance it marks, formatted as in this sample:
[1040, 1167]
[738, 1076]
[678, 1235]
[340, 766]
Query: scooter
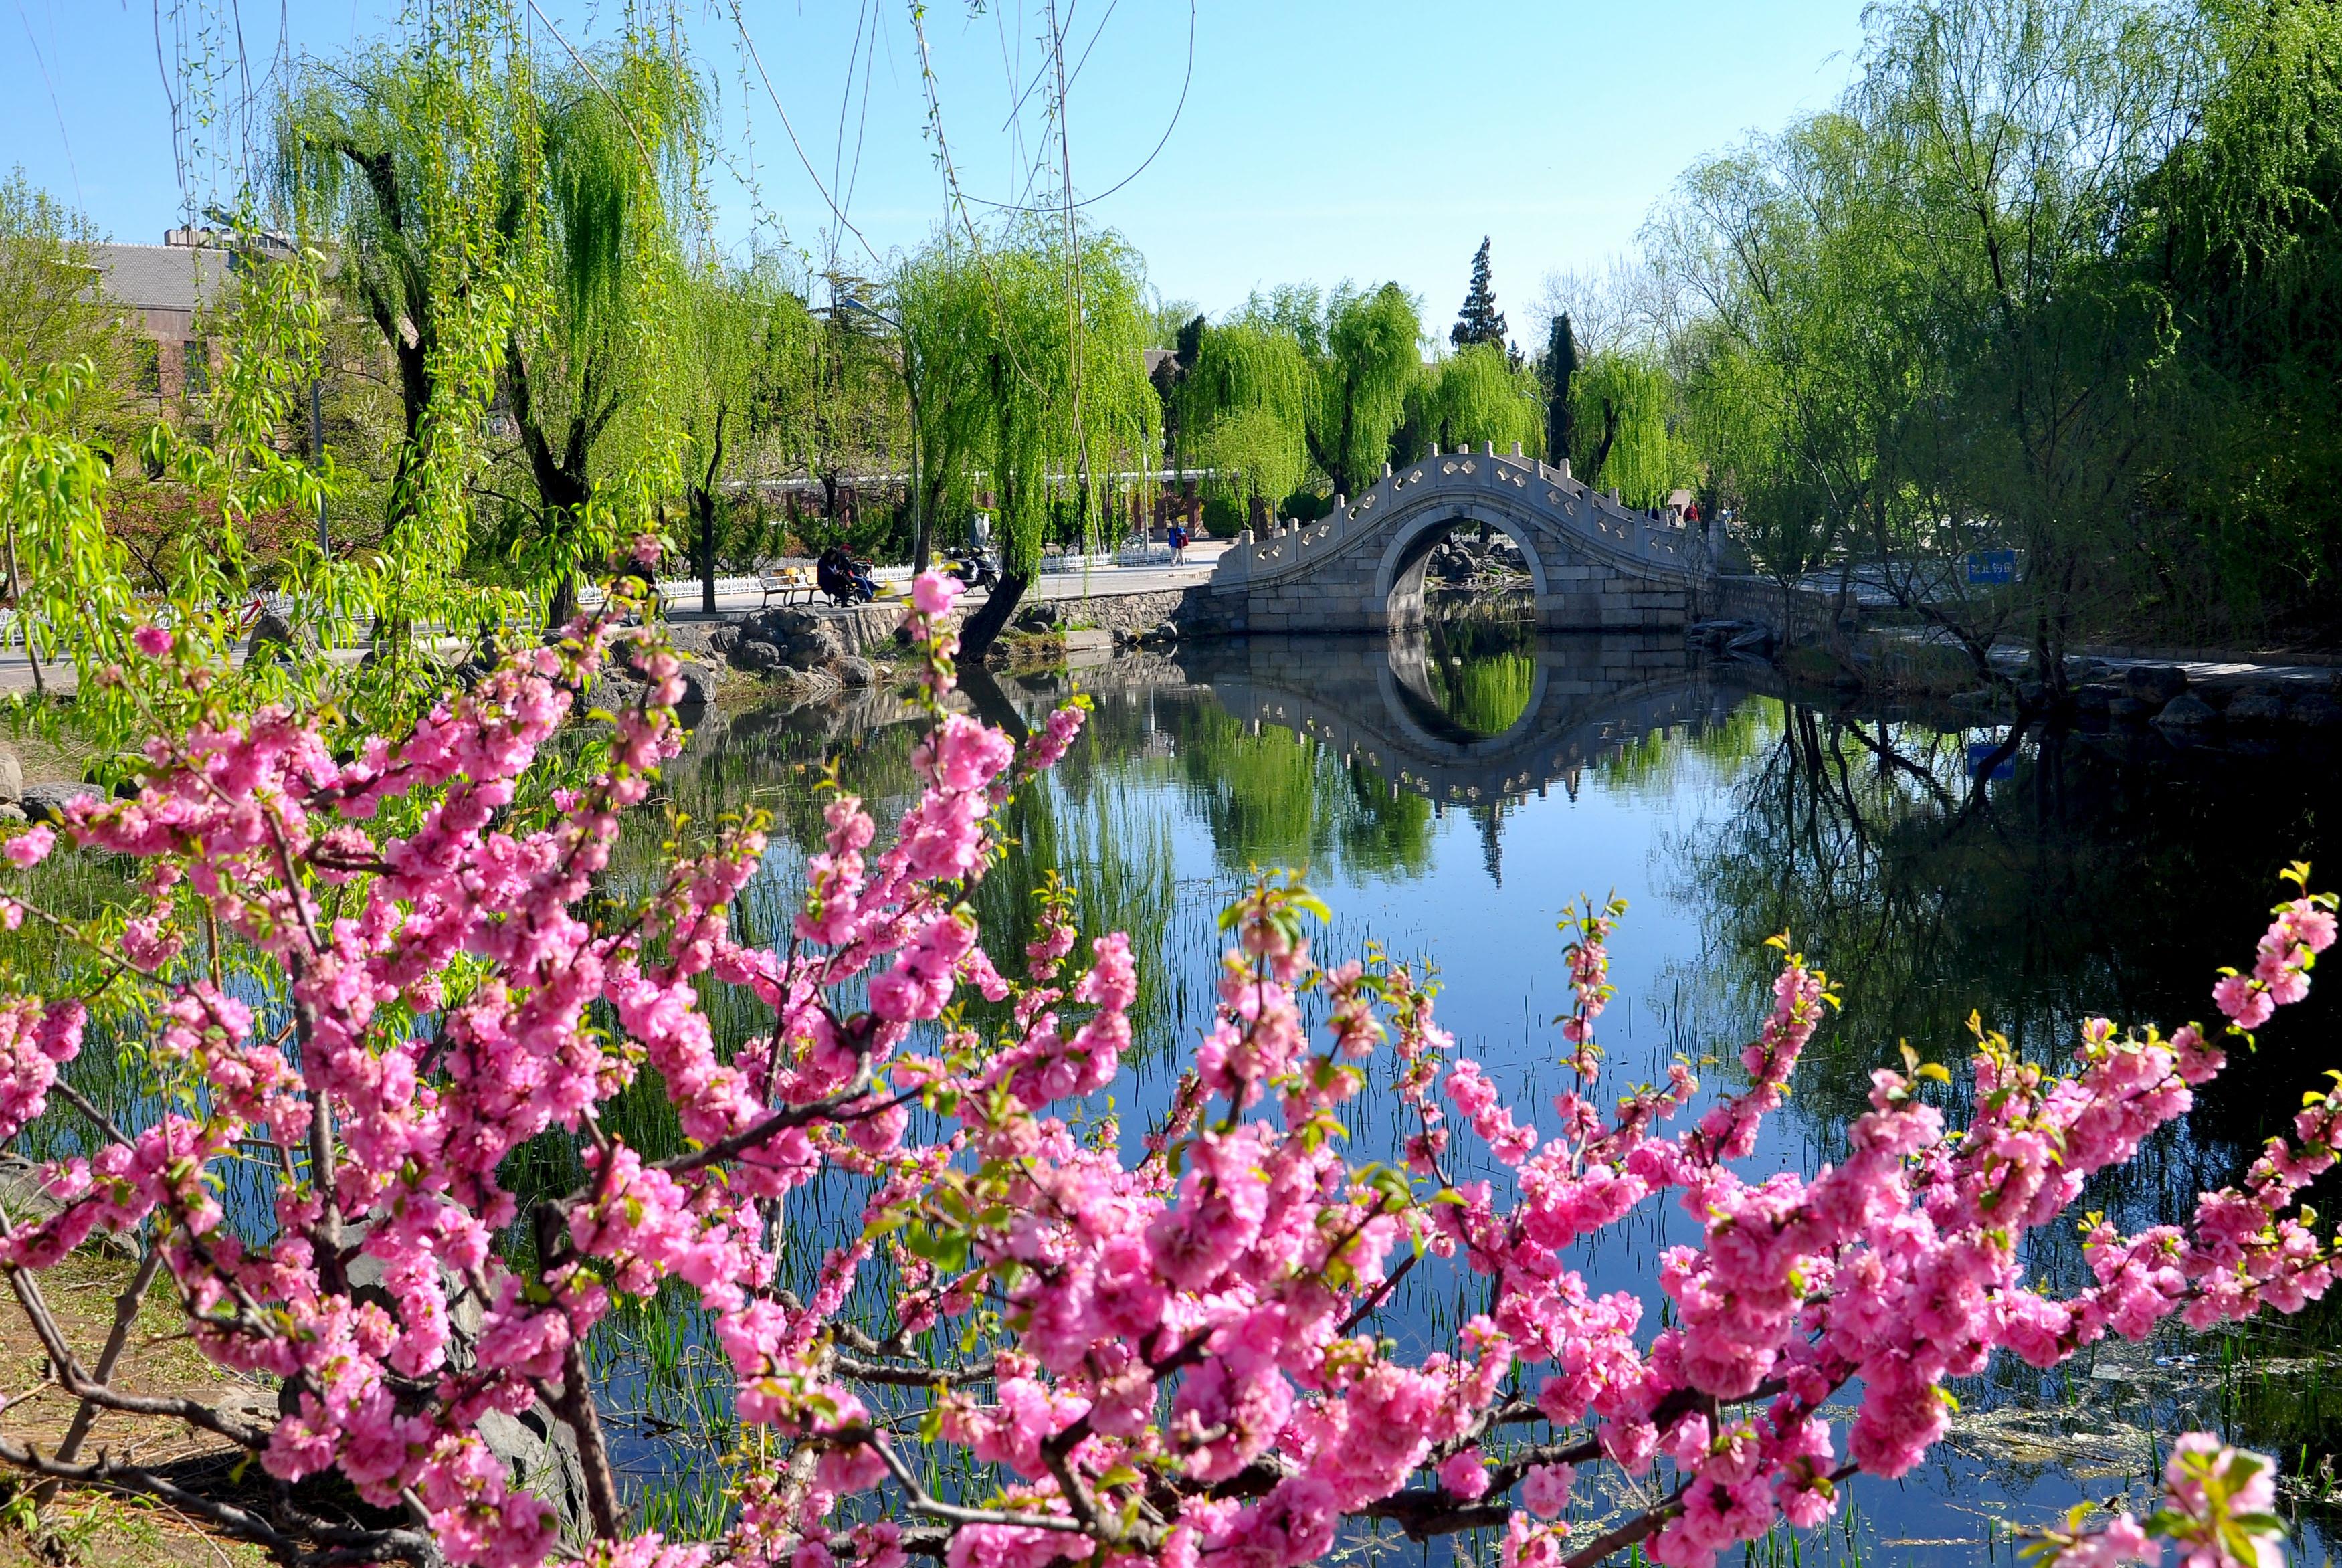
[972, 567]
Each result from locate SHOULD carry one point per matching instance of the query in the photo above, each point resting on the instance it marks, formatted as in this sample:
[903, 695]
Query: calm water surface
[1448, 796]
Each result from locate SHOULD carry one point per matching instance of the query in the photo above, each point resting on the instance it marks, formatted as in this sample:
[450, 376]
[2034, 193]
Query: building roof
[160, 277]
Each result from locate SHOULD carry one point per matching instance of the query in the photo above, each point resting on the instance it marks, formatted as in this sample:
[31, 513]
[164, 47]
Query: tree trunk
[1602, 452]
[984, 628]
[561, 487]
[564, 604]
[705, 504]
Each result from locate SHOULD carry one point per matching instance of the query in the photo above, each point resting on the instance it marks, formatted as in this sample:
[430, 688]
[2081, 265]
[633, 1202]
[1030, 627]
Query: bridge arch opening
[1406, 557]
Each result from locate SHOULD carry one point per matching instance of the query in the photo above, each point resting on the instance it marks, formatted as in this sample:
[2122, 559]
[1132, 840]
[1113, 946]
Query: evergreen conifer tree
[1560, 368]
[1479, 321]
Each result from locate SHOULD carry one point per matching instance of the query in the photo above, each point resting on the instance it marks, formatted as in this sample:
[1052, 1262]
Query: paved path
[16, 671]
[1094, 582]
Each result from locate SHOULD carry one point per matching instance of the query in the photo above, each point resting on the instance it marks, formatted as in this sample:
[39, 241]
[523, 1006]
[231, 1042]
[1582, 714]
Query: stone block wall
[1795, 617]
[1337, 593]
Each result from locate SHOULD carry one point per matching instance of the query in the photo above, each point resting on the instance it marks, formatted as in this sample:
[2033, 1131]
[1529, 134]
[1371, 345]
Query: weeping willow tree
[402, 159]
[594, 370]
[1243, 410]
[1063, 393]
[1306, 386]
[742, 337]
[508, 227]
[1622, 414]
[1370, 360]
[1788, 515]
[943, 313]
[1473, 395]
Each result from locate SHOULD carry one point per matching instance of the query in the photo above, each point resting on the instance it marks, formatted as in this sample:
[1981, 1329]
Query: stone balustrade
[1595, 564]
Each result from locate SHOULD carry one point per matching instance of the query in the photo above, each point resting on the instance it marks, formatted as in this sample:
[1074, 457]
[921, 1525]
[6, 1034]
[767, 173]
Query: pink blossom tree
[1168, 1359]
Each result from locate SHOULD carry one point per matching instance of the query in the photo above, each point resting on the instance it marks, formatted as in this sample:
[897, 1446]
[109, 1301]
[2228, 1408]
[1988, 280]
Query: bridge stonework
[1594, 565]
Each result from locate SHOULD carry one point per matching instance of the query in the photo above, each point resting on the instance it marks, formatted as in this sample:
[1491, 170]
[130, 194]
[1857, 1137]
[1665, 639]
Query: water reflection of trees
[2096, 877]
[1482, 669]
[2084, 882]
[1271, 796]
[1087, 821]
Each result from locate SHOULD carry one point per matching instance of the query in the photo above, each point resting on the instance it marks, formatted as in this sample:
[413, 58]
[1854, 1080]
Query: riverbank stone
[2317, 712]
[2257, 708]
[12, 775]
[273, 636]
[802, 639]
[2155, 684]
[697, 640]
[855, 672]
[756, 656]
[47, 801]
[2187, 713]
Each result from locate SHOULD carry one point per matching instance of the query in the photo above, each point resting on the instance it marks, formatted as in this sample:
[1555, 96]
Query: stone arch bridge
[1594, 565]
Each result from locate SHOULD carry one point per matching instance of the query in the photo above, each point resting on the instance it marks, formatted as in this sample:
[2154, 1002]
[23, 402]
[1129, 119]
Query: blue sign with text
[1992, 566]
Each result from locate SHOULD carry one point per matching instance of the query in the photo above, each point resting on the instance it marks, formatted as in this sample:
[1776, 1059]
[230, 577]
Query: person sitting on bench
[845, 580]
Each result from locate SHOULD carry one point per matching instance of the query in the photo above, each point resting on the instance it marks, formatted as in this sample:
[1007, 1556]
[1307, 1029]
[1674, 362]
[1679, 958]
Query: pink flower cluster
[1172, 1359]
[2218, 1509]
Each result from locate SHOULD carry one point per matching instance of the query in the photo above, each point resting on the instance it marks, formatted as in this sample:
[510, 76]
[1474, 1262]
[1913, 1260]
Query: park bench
[786, 583]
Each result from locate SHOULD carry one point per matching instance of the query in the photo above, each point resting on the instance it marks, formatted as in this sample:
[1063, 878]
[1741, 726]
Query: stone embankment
[2174, 700]
[819, 650]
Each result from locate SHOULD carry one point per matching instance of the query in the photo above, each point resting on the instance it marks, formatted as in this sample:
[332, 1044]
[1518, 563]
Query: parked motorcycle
[972, 567]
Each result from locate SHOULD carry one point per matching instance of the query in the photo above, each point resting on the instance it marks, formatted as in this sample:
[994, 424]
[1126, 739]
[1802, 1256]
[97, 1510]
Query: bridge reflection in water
[1472, 714]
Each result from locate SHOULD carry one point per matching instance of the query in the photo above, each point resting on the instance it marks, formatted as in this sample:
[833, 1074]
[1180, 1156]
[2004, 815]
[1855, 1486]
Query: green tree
[398, 157]
[2243, 236]
[52, 311]
[741, 337]
[1479, 321]
[1473, 395]
[1244, 406]
[1796, 372]
[1064, 390]
[1370, 360]
[2015, 135]
[620, 147]
[1624, 415]
[944, 308]
[1918, 301]
[510, 229]
[1559, 367]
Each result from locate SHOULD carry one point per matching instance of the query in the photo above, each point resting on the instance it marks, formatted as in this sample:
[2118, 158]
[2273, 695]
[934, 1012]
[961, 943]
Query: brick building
[163, 288]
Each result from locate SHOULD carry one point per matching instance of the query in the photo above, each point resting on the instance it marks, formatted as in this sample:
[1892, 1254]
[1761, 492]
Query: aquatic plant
[1166, 1356]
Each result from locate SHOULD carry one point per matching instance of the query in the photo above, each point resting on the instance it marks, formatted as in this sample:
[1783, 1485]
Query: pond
[1449, 794]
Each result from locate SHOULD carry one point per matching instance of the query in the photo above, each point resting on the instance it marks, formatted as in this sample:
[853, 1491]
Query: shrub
[1170, 1358]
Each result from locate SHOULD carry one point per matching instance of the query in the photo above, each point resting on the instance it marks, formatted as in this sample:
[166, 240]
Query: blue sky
[1320, 139]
